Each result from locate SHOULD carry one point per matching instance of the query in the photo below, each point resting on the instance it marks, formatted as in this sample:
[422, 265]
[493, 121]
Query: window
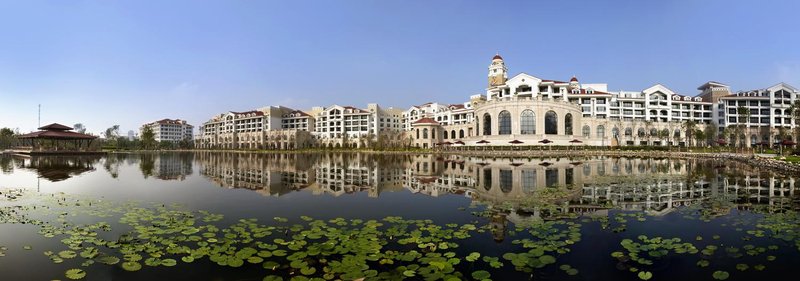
[487, 124]
[601, 131]
[568, 124]
[628, 132]
[461, 133]
[550, 123]
[504, 122]
[506, 180]
[425, 133]
[586, 131]
[487, 179]
[527, 122]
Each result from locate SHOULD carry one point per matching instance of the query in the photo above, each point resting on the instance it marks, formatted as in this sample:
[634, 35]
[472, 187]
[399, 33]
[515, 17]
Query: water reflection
[656, 186]
[51, 168]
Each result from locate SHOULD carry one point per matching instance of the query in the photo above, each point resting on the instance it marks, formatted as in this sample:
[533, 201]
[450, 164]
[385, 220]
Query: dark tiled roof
[55, 127]
[56, 135]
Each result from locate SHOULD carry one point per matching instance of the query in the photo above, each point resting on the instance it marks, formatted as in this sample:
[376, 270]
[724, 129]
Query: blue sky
[129, 62]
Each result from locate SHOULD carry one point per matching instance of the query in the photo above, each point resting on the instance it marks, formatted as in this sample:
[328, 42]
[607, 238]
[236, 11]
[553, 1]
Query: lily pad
[720, 275]
[75, 274]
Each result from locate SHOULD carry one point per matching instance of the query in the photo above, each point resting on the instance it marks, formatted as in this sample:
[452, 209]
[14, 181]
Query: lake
[348, 216]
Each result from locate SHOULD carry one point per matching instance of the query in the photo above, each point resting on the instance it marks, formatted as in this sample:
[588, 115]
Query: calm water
[739, 219]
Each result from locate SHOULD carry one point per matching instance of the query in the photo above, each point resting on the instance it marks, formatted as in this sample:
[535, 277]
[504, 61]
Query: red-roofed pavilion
[55, 139]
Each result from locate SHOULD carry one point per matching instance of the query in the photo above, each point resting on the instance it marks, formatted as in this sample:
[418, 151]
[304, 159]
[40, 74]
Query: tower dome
[497, 57]
[574, 79]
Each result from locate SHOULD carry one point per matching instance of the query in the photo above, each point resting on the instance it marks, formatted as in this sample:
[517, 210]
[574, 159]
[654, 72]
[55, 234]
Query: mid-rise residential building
[273, 127]
[170, 130]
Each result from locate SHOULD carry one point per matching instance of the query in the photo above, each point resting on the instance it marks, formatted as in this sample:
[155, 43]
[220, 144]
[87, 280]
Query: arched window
[653, 132]
[677, 133]
[550, 123]
[487, 179]
[425, 133]
[568, 124]
[453, 134]
[487, 124]
[527, 122]
[615, 132]
[504, 123]
[433, 133]
[753, 140]
[640, 132]
[506, 181]
[417, 133]
[586, 131]
[601, 131]
[444, 135]
[461, 133]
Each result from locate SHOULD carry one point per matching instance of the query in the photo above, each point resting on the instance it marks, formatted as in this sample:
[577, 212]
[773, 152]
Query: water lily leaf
[645, 275]
[272, 278]
[169, 262]
[131, 266]
[67, 254]
[720, 275]
[481, 274]
[75, 274]
[109, 260]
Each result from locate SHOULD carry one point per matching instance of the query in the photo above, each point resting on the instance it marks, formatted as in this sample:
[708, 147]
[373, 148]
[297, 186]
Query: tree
[7, 138]
[148, 138]
[711, 131]
[794, 111]
[79, 127]
[699, 136]
[689, 127]
[743, 112]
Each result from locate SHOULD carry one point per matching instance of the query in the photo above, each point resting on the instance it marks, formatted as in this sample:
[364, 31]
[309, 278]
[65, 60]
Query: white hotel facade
[525, 108]
[170, 130]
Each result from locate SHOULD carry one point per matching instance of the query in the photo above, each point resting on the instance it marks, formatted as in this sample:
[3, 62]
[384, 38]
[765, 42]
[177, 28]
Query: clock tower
[498, 73]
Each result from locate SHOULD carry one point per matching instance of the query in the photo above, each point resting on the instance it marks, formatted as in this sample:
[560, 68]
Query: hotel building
[170, 130]
[526, 109]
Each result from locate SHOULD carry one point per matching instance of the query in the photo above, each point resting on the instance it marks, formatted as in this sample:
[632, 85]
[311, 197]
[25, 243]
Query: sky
[104, 63]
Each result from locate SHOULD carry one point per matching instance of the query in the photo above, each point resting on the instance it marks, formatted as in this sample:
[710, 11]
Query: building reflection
[654, 185]
[58, 168]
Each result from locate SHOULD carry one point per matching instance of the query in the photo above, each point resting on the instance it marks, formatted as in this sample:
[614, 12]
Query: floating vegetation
[135, 236]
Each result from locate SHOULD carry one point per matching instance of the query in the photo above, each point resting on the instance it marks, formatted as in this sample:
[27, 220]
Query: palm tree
[744, 112]
[689, 126]
[794, 111]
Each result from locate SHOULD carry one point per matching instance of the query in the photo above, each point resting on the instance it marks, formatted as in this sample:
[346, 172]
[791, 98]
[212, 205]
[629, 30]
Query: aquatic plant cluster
[392, 248]
[134, 236]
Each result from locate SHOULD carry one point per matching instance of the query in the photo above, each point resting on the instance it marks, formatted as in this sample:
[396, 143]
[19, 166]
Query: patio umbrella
[515, 142]
[516, 164]
[721, 142]
[576, 163]
[545, 163]
[459, 142]
[483, 142]
[574, 141]
[545, 141]
[788, 142]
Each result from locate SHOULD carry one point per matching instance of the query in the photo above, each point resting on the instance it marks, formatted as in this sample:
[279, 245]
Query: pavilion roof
[56, 131]
[55, 127]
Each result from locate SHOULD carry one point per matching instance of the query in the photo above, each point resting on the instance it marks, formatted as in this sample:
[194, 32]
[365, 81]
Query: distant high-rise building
[131, 135]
